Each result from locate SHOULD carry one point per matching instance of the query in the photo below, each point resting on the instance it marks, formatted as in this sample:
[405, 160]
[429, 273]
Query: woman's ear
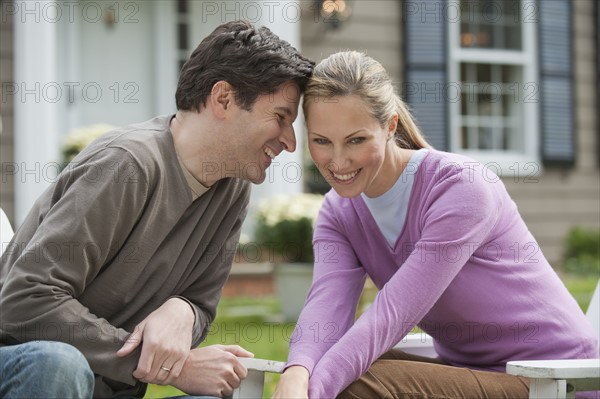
[393, 125]
[221, 98]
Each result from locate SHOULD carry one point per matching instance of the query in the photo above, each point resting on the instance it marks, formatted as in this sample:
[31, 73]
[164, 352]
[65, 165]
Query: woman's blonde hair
[353, 73]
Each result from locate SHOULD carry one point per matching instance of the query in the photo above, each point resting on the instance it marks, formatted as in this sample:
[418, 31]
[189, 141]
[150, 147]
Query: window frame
[527, 162]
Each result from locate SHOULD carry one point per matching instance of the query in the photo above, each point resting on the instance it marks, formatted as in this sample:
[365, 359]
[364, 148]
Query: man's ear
[221, 98]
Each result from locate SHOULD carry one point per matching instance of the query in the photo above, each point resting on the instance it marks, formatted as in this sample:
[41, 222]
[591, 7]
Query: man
[125, 256]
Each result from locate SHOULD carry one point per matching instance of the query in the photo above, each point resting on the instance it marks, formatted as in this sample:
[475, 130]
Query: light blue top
[389, 209]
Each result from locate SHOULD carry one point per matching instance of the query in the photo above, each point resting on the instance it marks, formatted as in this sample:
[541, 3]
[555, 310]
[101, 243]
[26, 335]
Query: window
[492, 62]
[183, 27]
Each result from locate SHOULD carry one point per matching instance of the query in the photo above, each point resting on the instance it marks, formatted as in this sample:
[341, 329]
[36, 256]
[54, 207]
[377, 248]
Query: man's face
[265, 131]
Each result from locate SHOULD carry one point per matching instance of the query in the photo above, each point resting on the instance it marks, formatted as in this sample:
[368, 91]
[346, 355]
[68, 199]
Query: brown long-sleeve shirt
[109, 242]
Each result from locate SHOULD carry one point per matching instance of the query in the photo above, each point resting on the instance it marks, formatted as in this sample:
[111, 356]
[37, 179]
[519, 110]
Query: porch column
[36, 102]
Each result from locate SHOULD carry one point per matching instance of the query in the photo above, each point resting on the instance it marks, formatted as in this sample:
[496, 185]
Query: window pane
[485, 36]
[182, 6]
[506, 139]
[485, 138]
[513, 38]
[490, 108]
[491, 24]
[509, 101]
[484, 105]
[468, 72]
[464, 103]
[509, 74]
[484, 73]
[182, 36]
[464, 138]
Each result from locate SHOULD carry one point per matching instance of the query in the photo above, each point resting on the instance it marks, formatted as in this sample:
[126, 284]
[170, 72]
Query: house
[514, 84]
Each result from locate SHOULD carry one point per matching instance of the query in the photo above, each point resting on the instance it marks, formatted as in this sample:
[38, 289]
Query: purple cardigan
[465, 269]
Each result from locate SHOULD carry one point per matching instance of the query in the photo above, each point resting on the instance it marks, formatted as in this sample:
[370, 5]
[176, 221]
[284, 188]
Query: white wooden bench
[6, 232]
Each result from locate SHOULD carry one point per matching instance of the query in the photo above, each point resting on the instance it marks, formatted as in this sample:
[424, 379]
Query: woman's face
[350, 148]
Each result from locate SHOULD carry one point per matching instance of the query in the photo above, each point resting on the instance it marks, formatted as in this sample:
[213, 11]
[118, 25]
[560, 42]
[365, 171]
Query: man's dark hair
[253, 61]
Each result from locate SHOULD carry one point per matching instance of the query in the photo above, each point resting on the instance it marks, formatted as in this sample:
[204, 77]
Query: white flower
[289, 207]
[79, 138]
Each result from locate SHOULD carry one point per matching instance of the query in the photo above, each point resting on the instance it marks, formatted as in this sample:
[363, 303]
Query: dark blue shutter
[424, 87]
[556, 81]
[598, 78]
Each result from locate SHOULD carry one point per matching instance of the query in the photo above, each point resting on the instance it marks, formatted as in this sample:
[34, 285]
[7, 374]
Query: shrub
[582, 251]
[285, 225]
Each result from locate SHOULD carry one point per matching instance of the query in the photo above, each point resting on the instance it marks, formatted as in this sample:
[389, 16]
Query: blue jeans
[48, 369]
[44, 369]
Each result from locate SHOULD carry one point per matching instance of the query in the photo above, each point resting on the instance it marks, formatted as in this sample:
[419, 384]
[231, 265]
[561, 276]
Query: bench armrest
[555, 369]
[252, 386]
[557, 378]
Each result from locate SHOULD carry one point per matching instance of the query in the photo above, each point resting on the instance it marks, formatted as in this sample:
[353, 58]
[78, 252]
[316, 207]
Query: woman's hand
[293, 384]
[166, 339]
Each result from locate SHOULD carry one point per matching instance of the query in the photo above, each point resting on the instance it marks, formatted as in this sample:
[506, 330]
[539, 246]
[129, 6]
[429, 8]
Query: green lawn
[581, 287]
[254, 325]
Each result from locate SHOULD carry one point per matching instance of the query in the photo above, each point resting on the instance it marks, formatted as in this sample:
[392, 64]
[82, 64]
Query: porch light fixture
[333, 13]
[110, 16]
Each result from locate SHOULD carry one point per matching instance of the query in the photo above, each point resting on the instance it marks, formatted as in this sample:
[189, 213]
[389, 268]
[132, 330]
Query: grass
[253, 324]
[581, 287]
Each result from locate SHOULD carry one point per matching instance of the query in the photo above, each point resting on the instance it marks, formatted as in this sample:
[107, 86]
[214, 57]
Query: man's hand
[166, 339]
[293, 384]
[213, 370]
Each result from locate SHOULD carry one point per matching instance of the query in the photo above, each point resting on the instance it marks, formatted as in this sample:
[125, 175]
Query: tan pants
[398, 375]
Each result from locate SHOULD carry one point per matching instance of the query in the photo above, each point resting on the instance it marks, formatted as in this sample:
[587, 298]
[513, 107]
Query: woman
[441, 240]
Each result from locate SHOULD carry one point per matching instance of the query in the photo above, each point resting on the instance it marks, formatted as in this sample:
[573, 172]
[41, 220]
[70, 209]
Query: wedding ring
[168, 370]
